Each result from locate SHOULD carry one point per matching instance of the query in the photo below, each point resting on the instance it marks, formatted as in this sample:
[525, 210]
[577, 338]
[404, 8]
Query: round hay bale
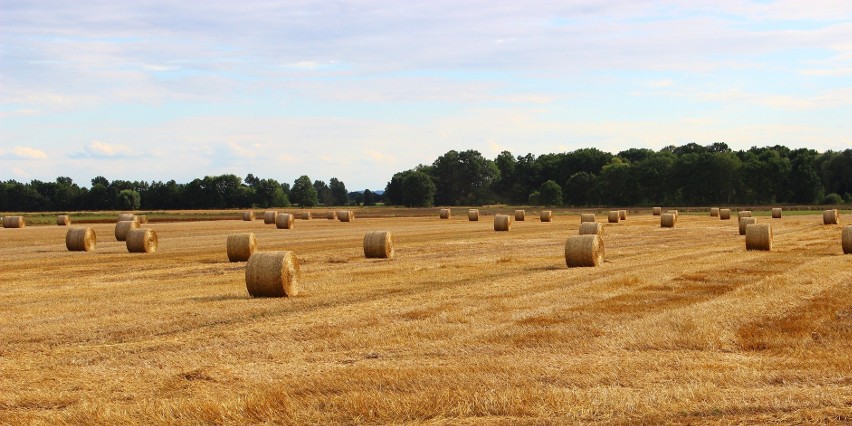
[584, 250]
[305, 215]
[831, 217]
[142, 240]
[122, 228]
[63, 220]
[502, 222]
[346, 215]
[378, 245]
[591, 228]
[14, 222]
[269, 217]
[714, 212]
[846, 239]
[613, 216]
[759, 236]
[332, 215]
[776, 212]
[546, 216]
[745, 221]
[743, 213]
[81, 239]
[656, 211]
[724, 214]
[272, 274]
[445, 213]
[241, 246]
[124, 217]
[668, 220]
[473, 215]
[520, 215]
[587, 217]
[248, 216]
[142, 219]
[622, 214]
[284, 221]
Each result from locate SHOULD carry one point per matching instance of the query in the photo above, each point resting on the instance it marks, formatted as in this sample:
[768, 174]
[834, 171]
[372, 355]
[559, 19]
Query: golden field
[464, 325]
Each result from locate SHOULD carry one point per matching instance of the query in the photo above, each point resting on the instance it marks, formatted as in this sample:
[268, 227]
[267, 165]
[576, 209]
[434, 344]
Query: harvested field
[464, 325]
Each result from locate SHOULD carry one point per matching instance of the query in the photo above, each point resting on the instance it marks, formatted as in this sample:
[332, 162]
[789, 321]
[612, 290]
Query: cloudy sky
[358, 90]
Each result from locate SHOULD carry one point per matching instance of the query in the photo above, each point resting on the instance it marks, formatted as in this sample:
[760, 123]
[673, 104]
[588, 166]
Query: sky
[359, 90]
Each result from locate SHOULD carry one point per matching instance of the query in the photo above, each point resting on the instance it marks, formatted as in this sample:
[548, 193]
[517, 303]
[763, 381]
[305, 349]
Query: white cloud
[98, 149]
[380, 157]
[240, 151]
[23, 153]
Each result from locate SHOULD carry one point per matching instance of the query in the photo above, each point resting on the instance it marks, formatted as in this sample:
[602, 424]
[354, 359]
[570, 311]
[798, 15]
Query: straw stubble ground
[677, 325]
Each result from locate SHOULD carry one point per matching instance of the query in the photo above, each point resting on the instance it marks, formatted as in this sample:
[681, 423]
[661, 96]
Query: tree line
[211, 192]
[675, 175]
[684, 175]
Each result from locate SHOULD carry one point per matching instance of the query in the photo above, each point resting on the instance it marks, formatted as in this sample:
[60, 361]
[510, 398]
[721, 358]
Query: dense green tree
[303, 192]
[616, 184]
[418, 190]
[550, 193]
[579, 189]
[836, 168]
[128, 199]
[338, 192]
[505, 163]
[369, 199]
[804, 181]
[412, 188]
[323, 192]
[463, 178]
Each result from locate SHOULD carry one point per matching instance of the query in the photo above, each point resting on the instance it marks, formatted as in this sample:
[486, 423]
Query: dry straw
[668, 220]
[248, 216]
[124, 217]
[123, 227]
[272, 274]
[613, 216]
[305, 215]
[63, 220]
[584, 250]
[445, 213]
[724, 214]
[332, 215]
[141, 240]
[473, 215]
[81, 239]
[744, 213]
[378, 244]
[622, 214]
[587, 217]
[269, 217]
[346, 215]
[846, 239]
[502, 222]
[546, 216]
[14, 222]
[241, 246]
[714, 212]
[591, 228]
[831, 217]
[656, 211]
[284, 221]
[142, 219]
[759, 236]
[745, 221]
[776, 212]
[520, 215]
